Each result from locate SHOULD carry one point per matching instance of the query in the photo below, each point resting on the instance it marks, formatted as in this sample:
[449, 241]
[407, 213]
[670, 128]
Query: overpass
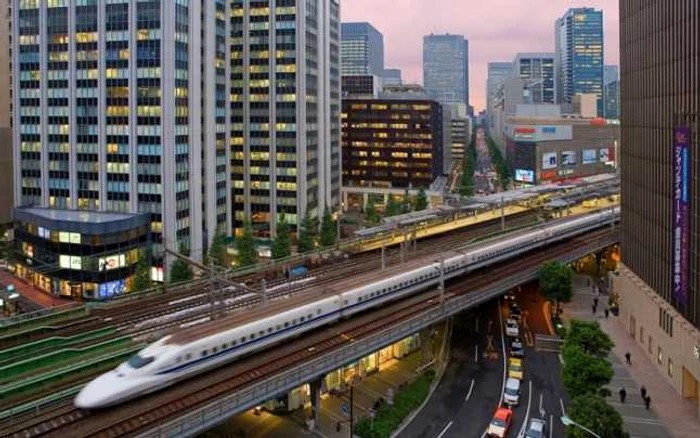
[420, 312]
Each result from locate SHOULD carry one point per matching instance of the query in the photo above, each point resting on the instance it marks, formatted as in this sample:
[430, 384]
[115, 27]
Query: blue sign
[526, 176]
[111, 289]
[681, 214]
[549, 130]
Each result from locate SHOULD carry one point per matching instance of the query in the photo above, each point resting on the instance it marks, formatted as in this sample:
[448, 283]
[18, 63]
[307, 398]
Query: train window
[243, 339]
[286, 324]
[261, 332]
[301, 319]
[269, 329]
[310, 316]
[359, 299]
[214, 350]
[205, 352]
[279, 327]
[294, 321]
[318, 311]
[224, 347]
[346, 302]
[178, 359]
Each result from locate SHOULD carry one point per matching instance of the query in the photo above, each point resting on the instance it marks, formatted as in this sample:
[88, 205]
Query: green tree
[247, 255]
[593, 412]
[306, 234]
[583, 373]
[180, 271]
[406, 202]
[421, 200]
[371, 214]
[142, 276]
[217, 251]
[393, 207]
[282, 245]
[327, 229]
[589, 337]
[555, 281]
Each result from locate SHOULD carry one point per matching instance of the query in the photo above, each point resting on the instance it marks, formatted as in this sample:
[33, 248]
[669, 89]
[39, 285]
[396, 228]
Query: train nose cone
[88, 398]
[98, 393]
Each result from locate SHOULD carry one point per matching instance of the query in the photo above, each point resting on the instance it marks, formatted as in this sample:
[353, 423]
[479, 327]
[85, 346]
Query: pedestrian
[595, 301]
[643, 391]
[607, 313]
[337, 426]
[623, 394]
[594, 308]
[628, 358]
[647, 402]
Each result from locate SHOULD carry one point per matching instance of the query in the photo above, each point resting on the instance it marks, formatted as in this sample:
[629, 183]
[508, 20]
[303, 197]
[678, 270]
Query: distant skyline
[493, 35]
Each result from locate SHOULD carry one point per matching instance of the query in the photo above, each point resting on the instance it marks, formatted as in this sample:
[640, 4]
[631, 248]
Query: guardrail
[199, 420]
[35, 314]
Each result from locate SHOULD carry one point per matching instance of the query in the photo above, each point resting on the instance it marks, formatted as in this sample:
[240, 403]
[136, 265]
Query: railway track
[141, 414]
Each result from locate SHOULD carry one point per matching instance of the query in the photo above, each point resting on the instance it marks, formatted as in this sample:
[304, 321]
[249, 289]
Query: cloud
[496, 30]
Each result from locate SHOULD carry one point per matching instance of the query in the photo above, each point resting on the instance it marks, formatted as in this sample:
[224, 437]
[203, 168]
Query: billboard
[589, 156]
[681, 214]
[607, 155]
[549, 160]
[526, 176]
[111, 289]
[568, 158]
[112, 262]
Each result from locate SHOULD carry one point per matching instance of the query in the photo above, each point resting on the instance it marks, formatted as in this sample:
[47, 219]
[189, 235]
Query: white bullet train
[179, 356]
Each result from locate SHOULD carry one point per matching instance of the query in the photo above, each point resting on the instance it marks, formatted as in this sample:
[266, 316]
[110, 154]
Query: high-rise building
[659, 281]
[611, 73]
[446, 68]
[497, 73]
[285, 110]
[362, 50]
[538, 70]
[392, 76]
[612, 100]
[579, 55]
[5, 115]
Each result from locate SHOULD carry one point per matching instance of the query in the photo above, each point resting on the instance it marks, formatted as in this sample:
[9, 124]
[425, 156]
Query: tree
[392, 207]
[247, 255]
[282, 245]
[589, 337]
[421, 200]
[371, 214]
[180, 271]
[327, 229]
[142, 276]
[583, 373]
[406, 206]
[306, 234]
[217, 251]
[593, 412]
[555, 281]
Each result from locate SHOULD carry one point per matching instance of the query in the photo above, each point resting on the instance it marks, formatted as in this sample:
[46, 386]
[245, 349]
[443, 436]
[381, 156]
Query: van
[511, 394]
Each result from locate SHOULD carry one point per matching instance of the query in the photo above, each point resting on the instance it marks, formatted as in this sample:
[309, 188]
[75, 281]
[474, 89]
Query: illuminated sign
[111, 289]
[549, 130]
[70, 262]
[549, 160]
[526, 176]
[565, 172]
[589, 156]
[112, 262]
[568, 158]
[681, 214]
[522, 130]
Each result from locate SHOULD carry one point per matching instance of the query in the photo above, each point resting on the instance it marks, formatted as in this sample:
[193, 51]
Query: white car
[511, 394]
[512, 328]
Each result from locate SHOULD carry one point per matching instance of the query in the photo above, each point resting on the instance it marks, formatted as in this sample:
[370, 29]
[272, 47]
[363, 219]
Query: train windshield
[137, 361]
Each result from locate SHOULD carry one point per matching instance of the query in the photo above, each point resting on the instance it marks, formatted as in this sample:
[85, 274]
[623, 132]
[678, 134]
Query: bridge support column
[599, 256]
[316, 401]
[426, 344]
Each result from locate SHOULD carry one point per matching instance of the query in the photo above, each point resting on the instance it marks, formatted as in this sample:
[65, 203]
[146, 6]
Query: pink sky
[496, 30]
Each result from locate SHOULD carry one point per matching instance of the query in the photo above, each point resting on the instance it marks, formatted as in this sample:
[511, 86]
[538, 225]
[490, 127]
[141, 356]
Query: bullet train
[179, 356]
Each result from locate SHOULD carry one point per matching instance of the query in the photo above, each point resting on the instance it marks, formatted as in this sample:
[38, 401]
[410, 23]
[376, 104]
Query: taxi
[515, 368]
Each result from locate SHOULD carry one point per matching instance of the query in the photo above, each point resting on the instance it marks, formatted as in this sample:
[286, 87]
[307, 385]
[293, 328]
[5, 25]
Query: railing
[192, 423]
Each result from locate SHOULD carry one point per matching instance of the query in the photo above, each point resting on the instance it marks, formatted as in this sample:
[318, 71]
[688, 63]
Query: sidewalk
[33, 297]
[669, 415]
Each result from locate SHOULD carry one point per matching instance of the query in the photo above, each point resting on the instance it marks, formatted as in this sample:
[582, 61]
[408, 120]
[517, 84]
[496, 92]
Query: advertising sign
[112, 262]
[526, 176]
[548, 129]
[605, 155]
[681, 214]
[568, 158]
[549, 160]
[111, 289]
[589, 156]
[550, 174]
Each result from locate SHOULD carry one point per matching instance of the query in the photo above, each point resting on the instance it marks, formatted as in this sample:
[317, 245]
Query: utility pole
[383, 254]
[337, 230]
[263, 292]
[503, 214]
[441, 287]
[212, 288]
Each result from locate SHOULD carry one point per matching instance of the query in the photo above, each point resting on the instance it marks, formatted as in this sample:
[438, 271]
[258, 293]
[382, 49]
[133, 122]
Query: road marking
[561, 403]
[503, 347]
[551, 424]
[476, 353]
[641, 420]
[541, 408]
[527, 412]
[469, 394]
[444, 431]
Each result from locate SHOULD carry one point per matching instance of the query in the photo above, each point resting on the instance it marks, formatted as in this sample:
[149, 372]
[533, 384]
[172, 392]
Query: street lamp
[569, 422]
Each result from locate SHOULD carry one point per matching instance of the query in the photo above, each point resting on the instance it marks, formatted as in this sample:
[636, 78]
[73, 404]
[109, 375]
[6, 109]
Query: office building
[611, 73]
[285, 111]
[538, 70]
[358, 86]
[392, 76]
[392, 142]
[497, 73]
[659, 279]
[579, 55]
[460, 130]
[6, 182]
[362, 50]
[446, 68]
[612, 100]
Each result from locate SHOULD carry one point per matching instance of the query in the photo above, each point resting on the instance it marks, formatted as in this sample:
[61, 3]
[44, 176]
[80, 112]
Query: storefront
[81, 255]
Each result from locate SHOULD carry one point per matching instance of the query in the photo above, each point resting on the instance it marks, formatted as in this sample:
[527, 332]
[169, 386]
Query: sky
[496, 30]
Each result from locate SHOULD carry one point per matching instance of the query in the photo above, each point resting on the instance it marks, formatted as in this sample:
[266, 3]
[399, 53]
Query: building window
[641, 335]
[649, 345]
[670, 367]
[666, 322]
[660, 355]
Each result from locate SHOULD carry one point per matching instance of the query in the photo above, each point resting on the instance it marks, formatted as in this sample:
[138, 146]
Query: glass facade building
[446, 68]
[579, 55]
[538, 69]
[362, 50]
[284, 110]
[497, 73]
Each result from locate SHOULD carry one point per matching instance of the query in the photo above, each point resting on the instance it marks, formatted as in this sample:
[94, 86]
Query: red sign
[525, 130]
[548, 174]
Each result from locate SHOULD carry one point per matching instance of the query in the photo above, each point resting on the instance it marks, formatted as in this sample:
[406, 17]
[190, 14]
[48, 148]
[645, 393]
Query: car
[511, 393]
[516, 348]
[515, 368]
[536, 429]
[499, 425]
[512, 328]
[510, 296]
